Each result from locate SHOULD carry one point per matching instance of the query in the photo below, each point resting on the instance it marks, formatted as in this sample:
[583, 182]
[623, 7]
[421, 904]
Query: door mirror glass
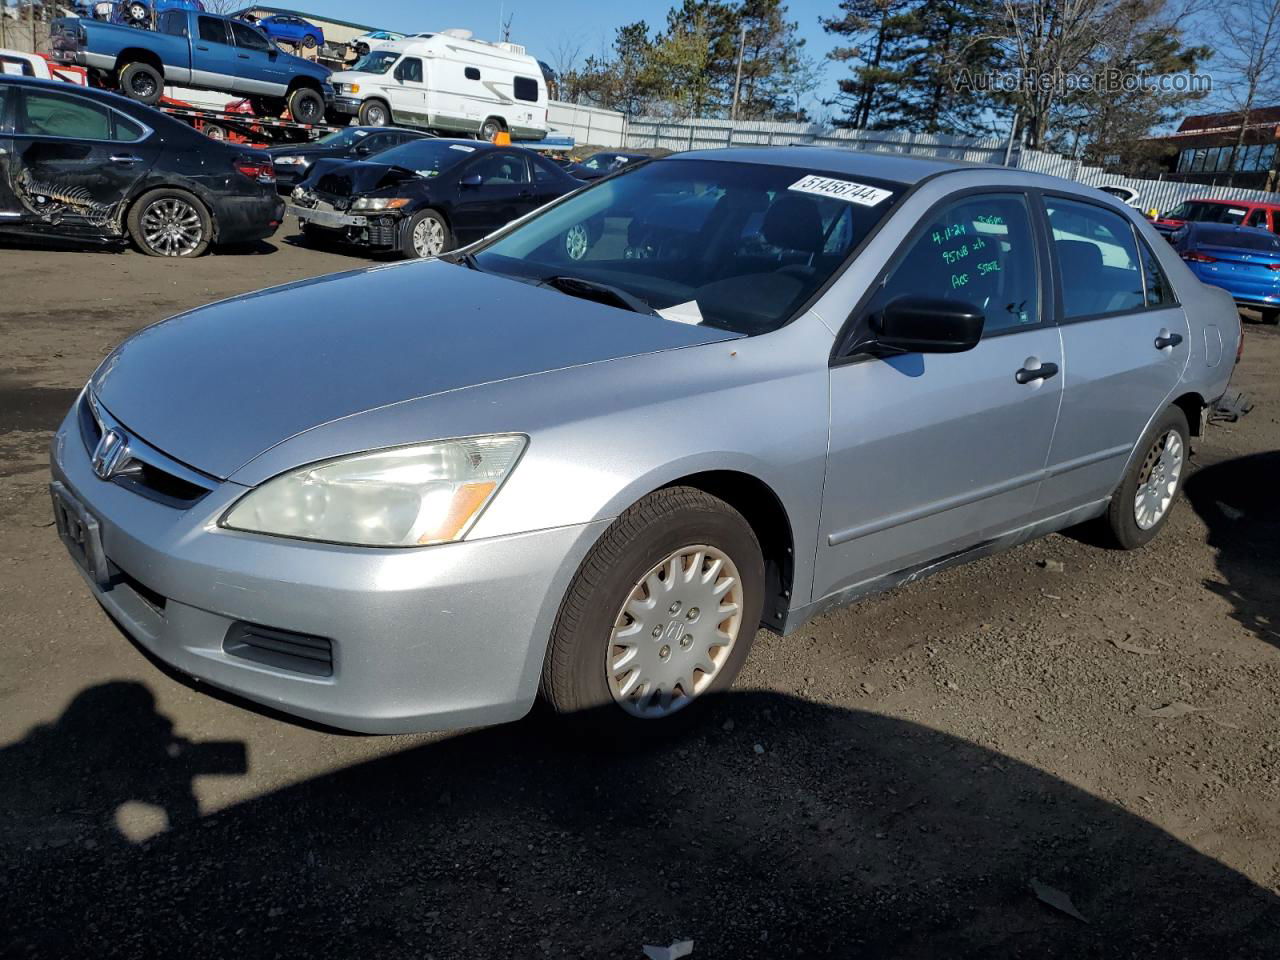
[912, 324]
[473, 180]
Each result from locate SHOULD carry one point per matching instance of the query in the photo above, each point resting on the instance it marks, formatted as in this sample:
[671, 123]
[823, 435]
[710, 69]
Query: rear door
[260, 69]
[74, 161]
[213, 58]
[1125, 345]
[931, 454]
[10, 208]
[495, 189]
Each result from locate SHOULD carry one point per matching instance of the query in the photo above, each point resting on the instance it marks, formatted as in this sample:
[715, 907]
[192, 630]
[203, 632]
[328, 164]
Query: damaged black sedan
[427, 197]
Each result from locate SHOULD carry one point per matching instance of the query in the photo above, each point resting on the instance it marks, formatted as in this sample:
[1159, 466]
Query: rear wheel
[170, 223]
[1270, 316]
[491, 128]
[214, 132]
[309, 42]
[374, 113]
[1141, 505]
[660, 614]
[306, 106]
[141, 82]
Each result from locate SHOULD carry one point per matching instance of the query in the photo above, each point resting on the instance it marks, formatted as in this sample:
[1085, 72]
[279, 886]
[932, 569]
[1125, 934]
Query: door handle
[125, 158]
[1168, 340]
[1032, 374]
[243, 56]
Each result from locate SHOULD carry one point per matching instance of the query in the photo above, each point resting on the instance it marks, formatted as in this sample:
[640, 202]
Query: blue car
[284, 28]
[1244, 261]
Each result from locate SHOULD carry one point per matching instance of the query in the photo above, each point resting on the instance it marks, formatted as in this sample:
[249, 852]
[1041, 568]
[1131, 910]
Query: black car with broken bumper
[426, 197]
[91, 165]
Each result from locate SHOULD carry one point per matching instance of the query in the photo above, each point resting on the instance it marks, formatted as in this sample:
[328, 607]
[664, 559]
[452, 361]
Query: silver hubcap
[172, 227]
[576, 242]
[1158, 481]
[428, 237]
[377, 117]
[675, 632]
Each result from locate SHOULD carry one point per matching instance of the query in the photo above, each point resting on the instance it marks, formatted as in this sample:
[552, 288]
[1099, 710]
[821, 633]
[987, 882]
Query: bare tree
[565, 54]
[1251, 29]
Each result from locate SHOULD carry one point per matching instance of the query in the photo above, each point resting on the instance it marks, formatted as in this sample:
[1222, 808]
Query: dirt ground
[1009, 759]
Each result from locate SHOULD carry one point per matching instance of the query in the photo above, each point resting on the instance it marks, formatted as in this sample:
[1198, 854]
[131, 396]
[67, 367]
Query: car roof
[906, 169]
[108, 97]
[1202, 226]
[1234, 203]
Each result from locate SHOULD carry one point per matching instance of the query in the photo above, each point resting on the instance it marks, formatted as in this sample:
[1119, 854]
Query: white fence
[600, 128]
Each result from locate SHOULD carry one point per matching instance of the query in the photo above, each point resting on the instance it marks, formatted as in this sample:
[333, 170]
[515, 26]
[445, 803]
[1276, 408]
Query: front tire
[170, 223]
[491, 128]
[141, 82]
[1269, 316]
[425, 235]
[660, 615]
[1141, 505]
[374, 113]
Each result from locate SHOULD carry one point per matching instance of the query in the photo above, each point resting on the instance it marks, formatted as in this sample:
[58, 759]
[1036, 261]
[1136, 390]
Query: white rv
[449, 83]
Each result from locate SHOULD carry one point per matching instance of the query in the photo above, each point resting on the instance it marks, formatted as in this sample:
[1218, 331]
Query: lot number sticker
[846, 190]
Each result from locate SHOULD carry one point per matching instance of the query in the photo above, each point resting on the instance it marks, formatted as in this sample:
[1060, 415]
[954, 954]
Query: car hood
[355, 177]
[219, 385]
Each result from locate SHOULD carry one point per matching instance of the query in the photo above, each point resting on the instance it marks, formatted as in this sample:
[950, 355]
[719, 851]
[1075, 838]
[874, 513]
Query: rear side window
[979, 250]
[127, 131]
[526, 88]
[173, 22]
[1156, 285]
[212, 30]
[51, 115]
[1097, 260]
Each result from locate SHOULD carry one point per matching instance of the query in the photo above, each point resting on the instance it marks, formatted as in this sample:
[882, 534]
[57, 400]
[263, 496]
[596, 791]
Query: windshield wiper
[466, 259]
[599, 292]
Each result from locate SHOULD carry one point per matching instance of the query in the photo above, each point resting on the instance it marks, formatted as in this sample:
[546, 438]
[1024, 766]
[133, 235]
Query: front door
[931, 454]
[73, 162]
[1125, 342]
[260, 68]
[407, 93]
[495, 189]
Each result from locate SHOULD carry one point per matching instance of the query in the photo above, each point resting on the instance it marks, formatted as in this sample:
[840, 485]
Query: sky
[541, 25]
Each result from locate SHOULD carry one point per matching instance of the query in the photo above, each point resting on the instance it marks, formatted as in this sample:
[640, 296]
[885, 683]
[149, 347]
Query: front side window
[378, 61]
[410, 69]
[53, 115]
[741, 246]
[1097, 259]
[980, 251]
[526, 88]
[248, 37]
[500, 169]
[212, 30]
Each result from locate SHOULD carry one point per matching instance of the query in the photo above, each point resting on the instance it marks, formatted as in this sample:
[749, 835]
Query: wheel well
[309, 82]
[1191, 404]
[138, 55]
[502, 121]
[761, 508]
[127, 208]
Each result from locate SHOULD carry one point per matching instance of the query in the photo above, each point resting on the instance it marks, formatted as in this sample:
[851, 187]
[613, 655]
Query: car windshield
[1241, 239]
[378, 61]
[427, 158]
[1202, 211]
[343, 138]
[734, 245]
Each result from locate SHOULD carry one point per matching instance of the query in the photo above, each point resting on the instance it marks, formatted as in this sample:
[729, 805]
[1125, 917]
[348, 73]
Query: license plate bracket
[80, 533]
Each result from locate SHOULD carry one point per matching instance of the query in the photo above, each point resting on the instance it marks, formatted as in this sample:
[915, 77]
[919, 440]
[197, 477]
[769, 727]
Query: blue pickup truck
[200, 50]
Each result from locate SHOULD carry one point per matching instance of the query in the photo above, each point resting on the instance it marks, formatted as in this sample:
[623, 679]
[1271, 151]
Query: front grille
[144, 470]
[382, 232]
[282, 649]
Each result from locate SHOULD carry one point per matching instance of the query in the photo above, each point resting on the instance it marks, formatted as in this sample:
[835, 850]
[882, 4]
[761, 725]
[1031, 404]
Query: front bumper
[379, 231]
[349, 105]
[421, 639]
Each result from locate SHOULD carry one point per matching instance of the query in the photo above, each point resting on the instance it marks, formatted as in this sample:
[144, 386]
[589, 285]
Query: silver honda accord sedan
[588, 457]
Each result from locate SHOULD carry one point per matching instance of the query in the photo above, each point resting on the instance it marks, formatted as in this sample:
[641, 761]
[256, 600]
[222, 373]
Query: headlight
[403, 497]
[379, 203]
[291, 161]
[348, 87]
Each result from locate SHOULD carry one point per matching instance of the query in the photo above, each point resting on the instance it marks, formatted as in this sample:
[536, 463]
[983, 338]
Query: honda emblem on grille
[109, 454]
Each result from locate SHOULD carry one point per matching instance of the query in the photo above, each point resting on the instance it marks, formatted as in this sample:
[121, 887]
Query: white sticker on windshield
[362, 133]
[1237, 213]
[462, 147]
[846, 190]
[686, 312]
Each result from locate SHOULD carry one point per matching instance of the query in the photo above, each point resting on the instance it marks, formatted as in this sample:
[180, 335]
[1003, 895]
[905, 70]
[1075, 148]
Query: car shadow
[1237, 501]
[28, 242]
[797, 830]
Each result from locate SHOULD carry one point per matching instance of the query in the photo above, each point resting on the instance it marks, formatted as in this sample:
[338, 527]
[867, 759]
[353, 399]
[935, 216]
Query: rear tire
[170, 223]
[141, 82]
[1270, 316]
[374, 113]
[309, 42]
[306, 106]
[585, 673]
[1141, 505]
[491, 128]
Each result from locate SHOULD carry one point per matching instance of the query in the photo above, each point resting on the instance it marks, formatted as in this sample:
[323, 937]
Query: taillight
[1273, 266]
[261, 170]
[1195, 256]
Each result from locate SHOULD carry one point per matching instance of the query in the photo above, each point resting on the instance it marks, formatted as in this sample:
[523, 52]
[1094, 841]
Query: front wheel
[491, 128]
[170, 223]
[425, 235]
[660, 614]
[1269, 316]
[1141, 505]
[374, 113]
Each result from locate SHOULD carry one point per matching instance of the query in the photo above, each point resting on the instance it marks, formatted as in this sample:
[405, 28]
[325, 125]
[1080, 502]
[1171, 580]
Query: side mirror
[926, 325]
[362, 150]
[473, 180]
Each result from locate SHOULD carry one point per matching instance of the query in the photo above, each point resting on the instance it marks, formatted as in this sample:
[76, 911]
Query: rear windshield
[740, 246]
[427, 158]
[1242, 239]
[1202, 211]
